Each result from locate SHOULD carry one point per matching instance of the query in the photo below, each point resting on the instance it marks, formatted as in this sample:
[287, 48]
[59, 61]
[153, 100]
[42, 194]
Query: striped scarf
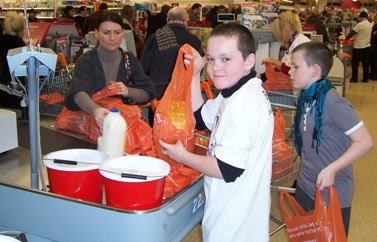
[166, 38]
[314, 95]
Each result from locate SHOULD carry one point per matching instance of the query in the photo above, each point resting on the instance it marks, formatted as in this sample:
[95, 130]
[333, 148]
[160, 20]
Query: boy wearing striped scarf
[328, 135]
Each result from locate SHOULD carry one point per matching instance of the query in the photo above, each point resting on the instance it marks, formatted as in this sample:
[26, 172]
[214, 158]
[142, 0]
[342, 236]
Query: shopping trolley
[284, 170]
[54, 90]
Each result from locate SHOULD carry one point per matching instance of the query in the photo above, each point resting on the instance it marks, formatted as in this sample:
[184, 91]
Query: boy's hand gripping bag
[323, 224]
[173, 118]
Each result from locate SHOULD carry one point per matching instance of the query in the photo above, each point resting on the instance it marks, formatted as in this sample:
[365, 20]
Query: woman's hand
[175, 151]
[326, 177]
[195, 58]
[120, 87]
[99, 116]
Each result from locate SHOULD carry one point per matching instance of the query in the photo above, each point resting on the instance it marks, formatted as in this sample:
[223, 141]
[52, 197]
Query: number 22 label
[198, 202]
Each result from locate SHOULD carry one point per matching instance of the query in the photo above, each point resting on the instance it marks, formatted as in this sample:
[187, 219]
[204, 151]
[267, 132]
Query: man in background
[361, 47]
[161, 49]
[32, 15]
[81, 16]
[195, 12]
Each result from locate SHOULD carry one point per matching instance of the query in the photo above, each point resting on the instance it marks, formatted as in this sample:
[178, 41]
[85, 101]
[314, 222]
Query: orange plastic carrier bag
[139, 133]
[175, 121]
[282, 154]
[323, 224]
[276, 80]
[173, 118]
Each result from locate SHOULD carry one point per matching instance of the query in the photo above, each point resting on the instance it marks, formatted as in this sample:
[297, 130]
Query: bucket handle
[69, 162]
[134, 174]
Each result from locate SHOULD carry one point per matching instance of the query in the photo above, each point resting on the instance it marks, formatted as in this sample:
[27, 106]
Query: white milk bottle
[113, 134]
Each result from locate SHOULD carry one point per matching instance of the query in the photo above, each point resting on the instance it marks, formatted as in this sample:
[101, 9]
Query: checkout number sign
[198, 202]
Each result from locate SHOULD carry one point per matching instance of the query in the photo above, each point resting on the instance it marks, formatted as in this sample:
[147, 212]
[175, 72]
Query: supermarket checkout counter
[44, 216]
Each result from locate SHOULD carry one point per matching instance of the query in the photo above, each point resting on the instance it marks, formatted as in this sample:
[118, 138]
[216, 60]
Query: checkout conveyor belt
[44, 216]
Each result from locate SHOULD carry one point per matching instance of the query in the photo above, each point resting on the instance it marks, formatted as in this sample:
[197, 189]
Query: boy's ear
[250, 61]
[316, 71]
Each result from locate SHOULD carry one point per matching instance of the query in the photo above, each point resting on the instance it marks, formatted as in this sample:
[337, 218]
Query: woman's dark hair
[66, 11]
[128, 12]
[242, 34]
[148, 13]
[108, 15]
[82, 8]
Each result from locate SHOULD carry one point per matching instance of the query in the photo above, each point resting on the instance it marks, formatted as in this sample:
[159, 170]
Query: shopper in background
[143, 23]
[12, 37]
[373, 43]
[211, 13]
[314, 18]
[157, 21]
[195, 12]
[99, 66]
[91, 22]
[68, 12]
[80, 17]
[237, 169]
[220, 9]
[128, 15]
[361, 47]
[161, 49]
[328, 135]
[32, 15]
[287, 29]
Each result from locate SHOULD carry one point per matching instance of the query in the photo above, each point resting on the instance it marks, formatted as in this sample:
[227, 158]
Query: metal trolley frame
[54, 90]
[286, 102]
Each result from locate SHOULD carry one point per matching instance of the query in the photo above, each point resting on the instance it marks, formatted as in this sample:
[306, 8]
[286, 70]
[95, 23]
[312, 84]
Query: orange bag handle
[286, 198]
[206, 89]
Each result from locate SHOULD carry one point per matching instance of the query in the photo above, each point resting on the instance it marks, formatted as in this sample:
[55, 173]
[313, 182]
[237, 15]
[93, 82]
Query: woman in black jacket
[106, 63]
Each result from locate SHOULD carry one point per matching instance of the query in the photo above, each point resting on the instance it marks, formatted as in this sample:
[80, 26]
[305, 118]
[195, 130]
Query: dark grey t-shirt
[339, 120]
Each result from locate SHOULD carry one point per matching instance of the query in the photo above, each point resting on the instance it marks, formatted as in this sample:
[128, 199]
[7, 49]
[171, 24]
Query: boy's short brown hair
[317, 53]
[243, 35]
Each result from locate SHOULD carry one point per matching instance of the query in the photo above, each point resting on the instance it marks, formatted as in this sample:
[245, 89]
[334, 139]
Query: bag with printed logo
[323, 224]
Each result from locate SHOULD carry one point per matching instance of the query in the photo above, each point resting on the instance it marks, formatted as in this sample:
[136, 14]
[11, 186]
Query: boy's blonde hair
[13, 23]
[286, 22]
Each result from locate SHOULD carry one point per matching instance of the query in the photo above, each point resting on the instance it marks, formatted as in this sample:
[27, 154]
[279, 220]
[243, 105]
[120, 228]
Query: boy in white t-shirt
[237, 167]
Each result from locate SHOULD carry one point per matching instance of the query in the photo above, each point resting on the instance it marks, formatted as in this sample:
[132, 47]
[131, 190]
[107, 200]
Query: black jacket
[7, 42]
[159, 65]
[89, 77]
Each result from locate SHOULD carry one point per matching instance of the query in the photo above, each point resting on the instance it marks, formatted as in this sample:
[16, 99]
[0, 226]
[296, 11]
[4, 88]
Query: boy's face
[225, 64]
[301, 74]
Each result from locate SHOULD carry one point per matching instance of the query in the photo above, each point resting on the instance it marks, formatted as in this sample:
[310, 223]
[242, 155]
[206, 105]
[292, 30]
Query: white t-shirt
[242, 129]
[362, 38]
[300, 39]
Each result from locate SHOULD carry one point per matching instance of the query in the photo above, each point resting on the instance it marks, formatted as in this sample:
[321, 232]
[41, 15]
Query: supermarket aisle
[363, 96]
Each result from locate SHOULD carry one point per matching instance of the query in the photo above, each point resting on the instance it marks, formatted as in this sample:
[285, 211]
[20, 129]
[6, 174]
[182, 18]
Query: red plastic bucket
[142, 192]
[81, 180]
